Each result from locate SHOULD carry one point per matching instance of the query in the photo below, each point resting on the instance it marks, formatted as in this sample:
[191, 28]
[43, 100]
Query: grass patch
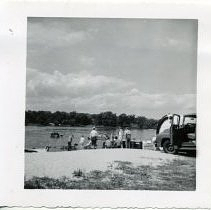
[78, 173]
[176, 175]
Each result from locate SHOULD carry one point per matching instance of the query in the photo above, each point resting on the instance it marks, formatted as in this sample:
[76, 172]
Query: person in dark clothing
[69, 143]
[93, 136]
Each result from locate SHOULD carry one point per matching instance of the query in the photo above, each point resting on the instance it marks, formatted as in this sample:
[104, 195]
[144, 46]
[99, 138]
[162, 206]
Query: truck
[176, 133]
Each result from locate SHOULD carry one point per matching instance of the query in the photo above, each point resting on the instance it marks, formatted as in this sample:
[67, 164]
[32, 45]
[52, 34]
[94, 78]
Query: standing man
[93, 136]
[128, 137]
[120, 135]
[69, 143]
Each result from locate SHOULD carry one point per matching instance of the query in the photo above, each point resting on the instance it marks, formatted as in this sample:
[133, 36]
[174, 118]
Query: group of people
[124, 137]
[121, 140]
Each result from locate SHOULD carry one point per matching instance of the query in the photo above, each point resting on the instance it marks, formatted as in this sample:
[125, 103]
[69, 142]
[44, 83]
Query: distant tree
[123, 120]
[94, 119]
[141, 121]
[109, 119]
[74, 118]
[131, 118]
[82, 119]
[99, 119]
[150, 123]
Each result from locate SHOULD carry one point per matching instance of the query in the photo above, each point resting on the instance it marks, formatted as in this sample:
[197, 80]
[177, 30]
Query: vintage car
[176, 133]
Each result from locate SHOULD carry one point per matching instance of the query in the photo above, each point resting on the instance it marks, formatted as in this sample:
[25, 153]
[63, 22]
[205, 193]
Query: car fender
[160, 138]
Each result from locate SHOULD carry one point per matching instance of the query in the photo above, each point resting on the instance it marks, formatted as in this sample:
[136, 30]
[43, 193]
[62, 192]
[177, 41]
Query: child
[89, 144]
[117, 142]
[105, 137]
[81, 142]
[108, 143]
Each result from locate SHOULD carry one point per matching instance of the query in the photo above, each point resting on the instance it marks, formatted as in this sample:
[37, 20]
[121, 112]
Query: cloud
[98, 93]
[145, 52]
[134, 66]
[141, 104]
[55, 38]
[42, 84]
[53, 35]
[87, 61]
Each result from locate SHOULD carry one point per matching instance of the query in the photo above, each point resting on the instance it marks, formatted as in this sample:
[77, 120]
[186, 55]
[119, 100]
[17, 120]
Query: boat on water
[56, 135]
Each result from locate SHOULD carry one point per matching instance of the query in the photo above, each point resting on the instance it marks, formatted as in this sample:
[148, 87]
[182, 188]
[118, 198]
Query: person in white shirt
[93, 136]
[120, 135]
[81, 142]
[108, 143]
[128, 137]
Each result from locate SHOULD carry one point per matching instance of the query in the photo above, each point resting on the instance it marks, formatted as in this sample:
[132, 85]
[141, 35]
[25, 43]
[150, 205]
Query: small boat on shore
[29, 150]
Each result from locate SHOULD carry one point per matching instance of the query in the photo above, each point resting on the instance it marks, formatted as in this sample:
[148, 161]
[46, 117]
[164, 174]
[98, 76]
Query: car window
[176, 120]
[166, 125]
[191, 120]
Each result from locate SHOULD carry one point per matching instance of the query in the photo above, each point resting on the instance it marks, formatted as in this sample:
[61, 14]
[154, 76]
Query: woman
[120, 135]
[81, 142]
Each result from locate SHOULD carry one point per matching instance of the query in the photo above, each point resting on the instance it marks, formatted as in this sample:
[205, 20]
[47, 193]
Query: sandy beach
[59, 164]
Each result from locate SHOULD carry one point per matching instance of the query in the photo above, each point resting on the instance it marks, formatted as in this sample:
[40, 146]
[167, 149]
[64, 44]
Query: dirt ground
[128, 169]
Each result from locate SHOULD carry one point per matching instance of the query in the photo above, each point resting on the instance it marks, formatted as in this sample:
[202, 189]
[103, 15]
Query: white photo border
[13, 36]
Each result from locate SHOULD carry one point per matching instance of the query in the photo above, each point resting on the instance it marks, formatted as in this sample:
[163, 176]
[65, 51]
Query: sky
[145, 67]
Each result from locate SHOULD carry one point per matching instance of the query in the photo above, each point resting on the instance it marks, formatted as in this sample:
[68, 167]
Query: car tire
[168, 148]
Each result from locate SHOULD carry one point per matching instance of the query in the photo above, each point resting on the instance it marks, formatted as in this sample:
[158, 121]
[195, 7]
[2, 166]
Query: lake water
[39, 136]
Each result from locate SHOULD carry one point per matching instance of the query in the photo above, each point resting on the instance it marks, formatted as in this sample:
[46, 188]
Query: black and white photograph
[111, 104]
[105, 104]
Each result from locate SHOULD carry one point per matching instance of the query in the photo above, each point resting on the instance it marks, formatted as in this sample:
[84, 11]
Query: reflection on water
[39, 136]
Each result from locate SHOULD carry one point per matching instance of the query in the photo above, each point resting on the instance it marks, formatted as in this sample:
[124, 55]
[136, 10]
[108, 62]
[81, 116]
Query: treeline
[83, 119]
